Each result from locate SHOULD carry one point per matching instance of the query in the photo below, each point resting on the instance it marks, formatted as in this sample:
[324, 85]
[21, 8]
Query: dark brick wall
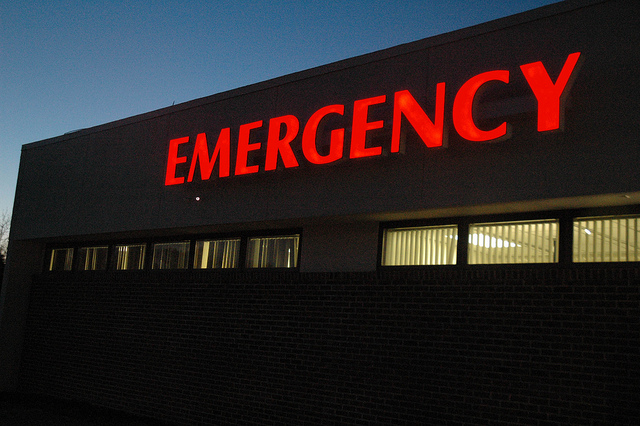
[440, 346]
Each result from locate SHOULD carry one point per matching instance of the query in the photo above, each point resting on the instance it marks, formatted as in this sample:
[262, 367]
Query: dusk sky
[67, 65]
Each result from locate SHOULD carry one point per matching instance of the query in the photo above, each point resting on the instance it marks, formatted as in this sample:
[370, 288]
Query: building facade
[443, 231]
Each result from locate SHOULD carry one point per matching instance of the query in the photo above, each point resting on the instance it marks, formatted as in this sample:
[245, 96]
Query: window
[171, 255]
[432, 245]
[273, 252]
[130, 256]
[61, 259]
[606, 239]
[92, 258]
[513, 242]
[217, 254]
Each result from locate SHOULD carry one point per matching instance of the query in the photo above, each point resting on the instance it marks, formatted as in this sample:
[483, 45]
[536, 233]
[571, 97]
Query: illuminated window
[217, 254]
[514, 242]
[433, 245]
[130, 256]
[610, 239]
[61, 259]
[92, 258]
[171, 255]
[273, 252]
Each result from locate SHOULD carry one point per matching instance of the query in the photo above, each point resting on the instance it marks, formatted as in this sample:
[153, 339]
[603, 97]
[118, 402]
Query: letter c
[463, 108]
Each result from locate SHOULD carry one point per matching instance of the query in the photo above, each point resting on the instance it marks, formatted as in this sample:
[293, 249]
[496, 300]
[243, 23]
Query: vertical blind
[217, 254]
[436, 245]
[273, 252]
[513, 242]
[92, 258]
[130, 256]
[171, 255]
[595, 239]
[613, 239]
[61, 259]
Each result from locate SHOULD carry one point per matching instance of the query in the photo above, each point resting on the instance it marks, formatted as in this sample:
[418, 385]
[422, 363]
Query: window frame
[555, 242]
[217, 238]
[145, 260]
[192, 239]
[77, 266]
[565, 245]
[384, 248]
[564, 218]
[602, 218]
[256, 235]
[48, 266]
[156, 244]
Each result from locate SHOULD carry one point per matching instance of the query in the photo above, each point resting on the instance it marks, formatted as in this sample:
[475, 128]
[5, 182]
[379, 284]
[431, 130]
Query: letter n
[431, 132]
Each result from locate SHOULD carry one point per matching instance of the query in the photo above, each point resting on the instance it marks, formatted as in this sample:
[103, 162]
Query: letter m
[201, 155]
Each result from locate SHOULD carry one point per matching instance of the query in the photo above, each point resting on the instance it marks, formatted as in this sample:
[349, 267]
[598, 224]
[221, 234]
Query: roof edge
[387, 53]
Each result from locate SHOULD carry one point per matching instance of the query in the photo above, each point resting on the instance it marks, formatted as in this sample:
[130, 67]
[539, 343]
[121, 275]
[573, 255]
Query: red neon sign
[281, 147]
[548, 93]
[431, 132]
[309, 147]
[361, 126]
[549, 96]
[463, 108]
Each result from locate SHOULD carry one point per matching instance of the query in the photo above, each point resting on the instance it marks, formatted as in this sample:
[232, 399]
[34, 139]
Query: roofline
[532, 15]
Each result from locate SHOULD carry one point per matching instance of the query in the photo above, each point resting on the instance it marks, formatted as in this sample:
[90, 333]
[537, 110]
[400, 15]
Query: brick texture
[441, 346]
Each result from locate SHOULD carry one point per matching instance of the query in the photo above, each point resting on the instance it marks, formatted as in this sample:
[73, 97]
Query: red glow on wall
[173, 160]
[361, 125]
[201, 155]
[549, 94]
[244, 147]
[431, 132]
[281, 147]
[309, 147]
[463, 107]
[284, 130]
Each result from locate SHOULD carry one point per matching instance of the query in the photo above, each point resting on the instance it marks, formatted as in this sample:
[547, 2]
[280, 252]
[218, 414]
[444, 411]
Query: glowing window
[514, 242]
[92, 258]
[217, 254]
[130, 257]
[433, 245]
[606, 239]
[273, 252]
[61, 259]
[171, 255]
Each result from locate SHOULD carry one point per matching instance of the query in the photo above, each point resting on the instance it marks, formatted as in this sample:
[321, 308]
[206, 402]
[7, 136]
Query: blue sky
[67, 65]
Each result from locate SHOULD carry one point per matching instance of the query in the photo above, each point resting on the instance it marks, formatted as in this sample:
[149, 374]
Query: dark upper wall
[111, 178]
